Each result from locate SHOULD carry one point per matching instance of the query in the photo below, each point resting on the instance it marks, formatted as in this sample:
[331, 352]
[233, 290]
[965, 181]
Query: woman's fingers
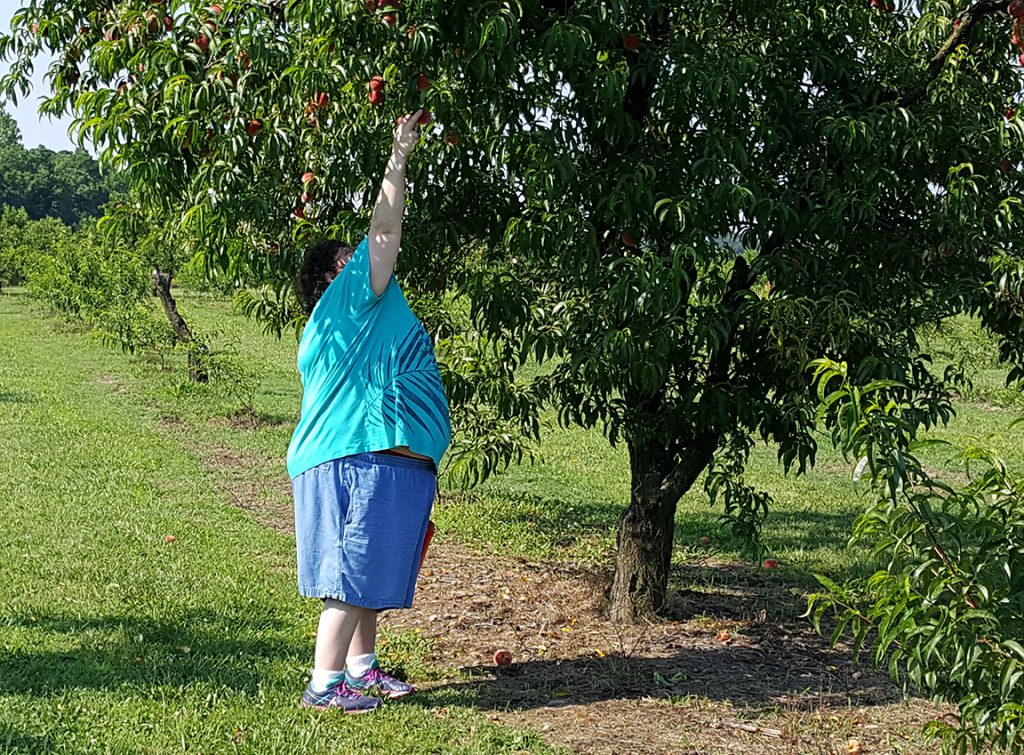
[406, 135]
[409, 122]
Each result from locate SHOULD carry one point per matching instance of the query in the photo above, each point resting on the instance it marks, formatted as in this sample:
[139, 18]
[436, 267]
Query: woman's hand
[406, 135]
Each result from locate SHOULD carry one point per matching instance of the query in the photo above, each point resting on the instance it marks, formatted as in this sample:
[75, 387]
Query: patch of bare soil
[114, 382]
[249, 482]
[709, 683]
[720, 677]
[246, 420]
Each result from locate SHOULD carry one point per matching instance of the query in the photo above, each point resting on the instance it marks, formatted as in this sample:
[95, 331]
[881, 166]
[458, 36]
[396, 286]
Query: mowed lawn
[114, 640]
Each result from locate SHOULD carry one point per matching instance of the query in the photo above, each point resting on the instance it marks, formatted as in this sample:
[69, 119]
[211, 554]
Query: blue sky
[35, 130]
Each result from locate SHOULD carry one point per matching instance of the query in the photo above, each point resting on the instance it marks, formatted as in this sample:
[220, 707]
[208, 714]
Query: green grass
[114, 640]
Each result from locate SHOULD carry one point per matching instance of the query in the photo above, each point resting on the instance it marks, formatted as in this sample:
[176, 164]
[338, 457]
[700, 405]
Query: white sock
[322, 678]
[358, 665]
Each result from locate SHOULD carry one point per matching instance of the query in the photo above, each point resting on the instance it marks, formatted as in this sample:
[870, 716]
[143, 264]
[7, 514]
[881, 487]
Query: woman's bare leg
[334, 634]
[364, 639]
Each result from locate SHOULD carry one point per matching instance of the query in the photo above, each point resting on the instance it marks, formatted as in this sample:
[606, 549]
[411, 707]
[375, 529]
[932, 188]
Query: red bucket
[426, 541]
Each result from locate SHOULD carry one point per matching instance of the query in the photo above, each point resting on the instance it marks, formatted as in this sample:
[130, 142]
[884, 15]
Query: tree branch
[641, 84]
[960, 35]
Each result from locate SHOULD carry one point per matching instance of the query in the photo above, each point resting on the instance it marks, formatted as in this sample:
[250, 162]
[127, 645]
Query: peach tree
[945, 614]
[677, 206]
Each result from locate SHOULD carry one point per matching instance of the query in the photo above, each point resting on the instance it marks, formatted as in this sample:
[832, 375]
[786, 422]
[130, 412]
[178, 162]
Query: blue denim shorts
[360, 522]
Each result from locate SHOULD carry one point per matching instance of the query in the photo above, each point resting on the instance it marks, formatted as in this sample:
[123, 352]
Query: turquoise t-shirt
[369, 375]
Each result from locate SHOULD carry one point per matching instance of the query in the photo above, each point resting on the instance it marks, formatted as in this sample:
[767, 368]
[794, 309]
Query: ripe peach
[451, 138]
[1016, 9]
[502, 657]
[770, 563]
[627, 238]
[254, 126]
[424, 118]
[170, 539]
[299, 212]
[631, 41]
[203, 43]
[377, 83]
[376, 96]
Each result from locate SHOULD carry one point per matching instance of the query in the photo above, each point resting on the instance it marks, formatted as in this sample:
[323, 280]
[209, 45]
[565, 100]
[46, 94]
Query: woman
[364, 456]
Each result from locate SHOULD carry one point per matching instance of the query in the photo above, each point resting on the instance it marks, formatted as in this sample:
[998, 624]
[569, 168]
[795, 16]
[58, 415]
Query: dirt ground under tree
[732, 668]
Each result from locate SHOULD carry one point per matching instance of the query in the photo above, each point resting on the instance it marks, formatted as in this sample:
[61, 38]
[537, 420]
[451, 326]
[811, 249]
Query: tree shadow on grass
[12, 740]
[806, 529]
[16, 397]
[567, 523]
[114, 651]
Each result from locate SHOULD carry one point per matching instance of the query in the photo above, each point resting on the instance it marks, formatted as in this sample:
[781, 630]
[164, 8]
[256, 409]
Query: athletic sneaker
[339, 696]
[382, 684]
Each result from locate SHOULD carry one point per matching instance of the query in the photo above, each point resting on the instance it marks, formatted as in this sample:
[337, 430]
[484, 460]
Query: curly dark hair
[318, 270]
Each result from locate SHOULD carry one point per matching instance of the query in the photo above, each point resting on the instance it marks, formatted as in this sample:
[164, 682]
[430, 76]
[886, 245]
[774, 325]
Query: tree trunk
[647, 526]
[162, 288]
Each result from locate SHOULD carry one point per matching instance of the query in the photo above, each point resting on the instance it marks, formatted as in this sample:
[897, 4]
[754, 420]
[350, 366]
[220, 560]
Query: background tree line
[66, 185]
